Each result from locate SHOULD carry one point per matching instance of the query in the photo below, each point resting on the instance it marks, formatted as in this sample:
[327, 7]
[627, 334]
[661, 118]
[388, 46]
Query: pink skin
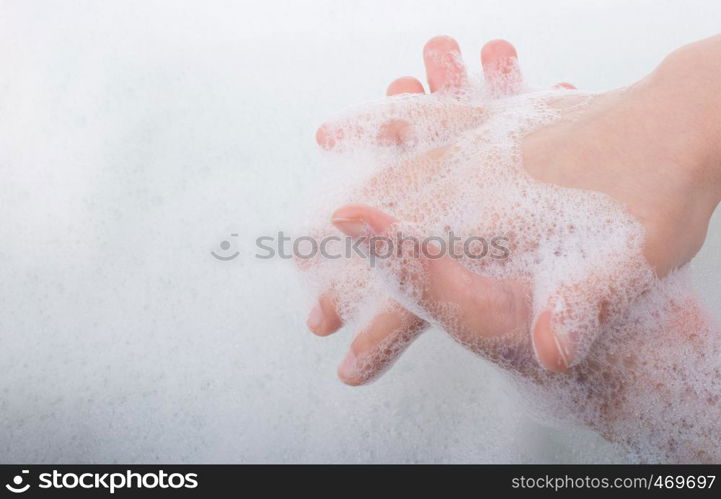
[654, 148]
[664, 171]
[395, 326]
[445, 73]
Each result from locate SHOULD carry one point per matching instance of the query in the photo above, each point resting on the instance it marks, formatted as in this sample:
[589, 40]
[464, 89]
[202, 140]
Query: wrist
[684, 106]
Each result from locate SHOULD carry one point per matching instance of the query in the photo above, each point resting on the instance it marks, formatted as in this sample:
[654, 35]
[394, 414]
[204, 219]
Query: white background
[135, 136]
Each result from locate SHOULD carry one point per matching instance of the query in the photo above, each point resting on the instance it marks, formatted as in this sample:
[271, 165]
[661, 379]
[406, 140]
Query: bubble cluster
[646, 368]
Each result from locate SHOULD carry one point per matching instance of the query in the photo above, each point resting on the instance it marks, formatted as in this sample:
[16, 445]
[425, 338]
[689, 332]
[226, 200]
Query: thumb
[574, 313]
[432, 284]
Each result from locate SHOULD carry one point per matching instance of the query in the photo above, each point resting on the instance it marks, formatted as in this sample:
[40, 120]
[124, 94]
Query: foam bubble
[638, 383]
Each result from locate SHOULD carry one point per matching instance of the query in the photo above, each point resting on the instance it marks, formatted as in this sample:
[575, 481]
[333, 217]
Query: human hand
[652, 150]
[404, 124]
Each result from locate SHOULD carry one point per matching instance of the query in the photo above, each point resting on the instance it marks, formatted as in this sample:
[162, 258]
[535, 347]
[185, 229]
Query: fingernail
[347, 367]
[352, 227]
[315, 319]
[562, 350]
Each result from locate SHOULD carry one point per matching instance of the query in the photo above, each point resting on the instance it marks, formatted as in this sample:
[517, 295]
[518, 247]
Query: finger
[405, 85]
[444, 66]
[577, 309]
[376, 347]
[323, 319]
[500, 68]
[330, 135]
[565, 84]
[398, 121]
[435, 287]
[550, 352]
[305, 255]
[397, 132]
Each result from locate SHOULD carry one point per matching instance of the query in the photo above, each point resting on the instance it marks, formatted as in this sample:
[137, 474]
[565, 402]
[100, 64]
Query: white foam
[135, 136]
[582, 243]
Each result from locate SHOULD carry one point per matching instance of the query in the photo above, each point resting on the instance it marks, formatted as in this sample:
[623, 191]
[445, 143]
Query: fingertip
[395, 133]
[350, 381]
[441, 42]
[347, 218]
[444, 67]
[496, 50]
[550, 352]
[348, 371]
[352, 210]
[324, 138]
[405, 85]
[323, 319]
[500, 67]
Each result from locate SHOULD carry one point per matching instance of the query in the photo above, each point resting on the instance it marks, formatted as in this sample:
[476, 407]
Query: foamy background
[135, 136]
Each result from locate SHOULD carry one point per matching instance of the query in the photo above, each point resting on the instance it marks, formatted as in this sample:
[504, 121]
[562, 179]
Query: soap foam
[638, 382]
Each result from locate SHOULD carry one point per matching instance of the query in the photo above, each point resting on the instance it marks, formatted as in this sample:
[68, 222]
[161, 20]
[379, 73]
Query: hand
[664, 176]
[653, 148]
[393, 327]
